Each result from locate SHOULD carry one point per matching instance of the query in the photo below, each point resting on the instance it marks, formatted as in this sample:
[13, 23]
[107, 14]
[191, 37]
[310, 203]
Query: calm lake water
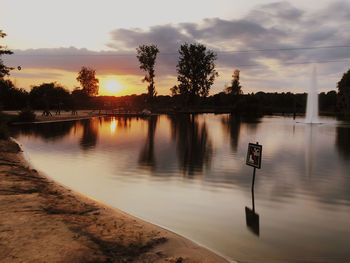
[188, 174]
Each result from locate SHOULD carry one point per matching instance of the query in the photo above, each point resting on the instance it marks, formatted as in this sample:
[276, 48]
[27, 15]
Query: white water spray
[312, 100]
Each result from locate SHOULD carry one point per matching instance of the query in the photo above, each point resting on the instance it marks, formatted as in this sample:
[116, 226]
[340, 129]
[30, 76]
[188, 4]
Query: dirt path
[42, 221]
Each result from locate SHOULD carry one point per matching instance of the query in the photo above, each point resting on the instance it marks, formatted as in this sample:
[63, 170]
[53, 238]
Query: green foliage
[88, 81]
[147, 57]
[196, 71]
[26, 115]
[235, 88]
[344, 92]
[4, 70]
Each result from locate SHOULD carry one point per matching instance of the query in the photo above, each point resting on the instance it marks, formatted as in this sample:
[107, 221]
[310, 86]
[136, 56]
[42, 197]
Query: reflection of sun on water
[113, 125]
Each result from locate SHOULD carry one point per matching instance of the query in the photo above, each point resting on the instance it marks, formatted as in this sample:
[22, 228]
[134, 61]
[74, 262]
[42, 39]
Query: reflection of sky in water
[188, 174]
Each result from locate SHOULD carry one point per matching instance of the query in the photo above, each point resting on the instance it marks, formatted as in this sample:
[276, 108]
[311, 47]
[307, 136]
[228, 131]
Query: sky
[274, 44]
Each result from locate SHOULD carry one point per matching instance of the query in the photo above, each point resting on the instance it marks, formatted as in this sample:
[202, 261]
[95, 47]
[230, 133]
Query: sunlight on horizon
[111, 86]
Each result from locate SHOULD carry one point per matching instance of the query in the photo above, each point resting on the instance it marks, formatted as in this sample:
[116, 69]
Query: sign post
[254, 160]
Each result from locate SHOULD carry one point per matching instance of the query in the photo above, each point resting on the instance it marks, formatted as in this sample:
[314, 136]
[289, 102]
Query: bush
[26, 115]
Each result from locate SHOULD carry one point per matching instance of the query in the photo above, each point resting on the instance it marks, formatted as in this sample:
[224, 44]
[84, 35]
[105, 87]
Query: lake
[188, 173]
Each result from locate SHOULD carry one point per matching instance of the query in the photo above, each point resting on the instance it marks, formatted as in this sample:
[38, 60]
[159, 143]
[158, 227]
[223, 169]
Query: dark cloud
[166, 37]
[216, 29]
[275, 13]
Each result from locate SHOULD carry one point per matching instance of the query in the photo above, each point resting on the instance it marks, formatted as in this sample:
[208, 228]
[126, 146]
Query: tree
[88, 81]
[4, 70]
[48, 95]
[196, 71]
[235, 88]
[11, 97]
[344, 91]
[147, 57]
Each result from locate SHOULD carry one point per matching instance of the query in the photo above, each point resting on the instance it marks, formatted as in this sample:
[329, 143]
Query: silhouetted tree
[147, 57]
[88, 81]
[11, 98]
[4, 70]
[48, 95]
[196, 71]
[328, 101]
[235, 88]
[344, 92]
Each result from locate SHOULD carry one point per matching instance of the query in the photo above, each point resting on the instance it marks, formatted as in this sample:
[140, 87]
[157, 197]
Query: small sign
[254, 155]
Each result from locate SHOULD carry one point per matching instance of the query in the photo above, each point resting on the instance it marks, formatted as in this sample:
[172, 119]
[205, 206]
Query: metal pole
[253, 179]
[253, 189]
[253, 201]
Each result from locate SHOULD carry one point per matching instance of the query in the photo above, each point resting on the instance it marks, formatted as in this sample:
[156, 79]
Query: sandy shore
[42, 221]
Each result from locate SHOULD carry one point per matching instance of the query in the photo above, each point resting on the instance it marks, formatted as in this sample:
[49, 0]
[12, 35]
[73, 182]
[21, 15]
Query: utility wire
[175, 53]
[295, 63]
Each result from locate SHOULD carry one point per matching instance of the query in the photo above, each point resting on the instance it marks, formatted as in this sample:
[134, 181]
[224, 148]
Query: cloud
[45, 75]
[267, 34]
[72, 59]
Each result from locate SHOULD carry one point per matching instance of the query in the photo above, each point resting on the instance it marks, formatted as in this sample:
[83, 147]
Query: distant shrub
[26, 115]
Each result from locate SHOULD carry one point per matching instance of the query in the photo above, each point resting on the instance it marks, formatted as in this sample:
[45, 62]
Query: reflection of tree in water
[90, 133]
[343, 141]
[147, 157]
[48, 131]
[121, 122]
[231, 125]
[124, 122]
[194, 147]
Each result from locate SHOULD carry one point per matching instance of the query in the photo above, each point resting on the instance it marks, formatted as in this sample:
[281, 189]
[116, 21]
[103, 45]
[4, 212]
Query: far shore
[63, 116]
[43, 221]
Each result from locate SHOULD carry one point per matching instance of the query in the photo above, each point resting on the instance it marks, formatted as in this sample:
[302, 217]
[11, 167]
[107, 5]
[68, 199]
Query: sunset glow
[110, 86]
[246, 35]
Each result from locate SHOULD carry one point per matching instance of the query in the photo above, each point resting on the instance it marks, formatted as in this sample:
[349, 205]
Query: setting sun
[111, 86]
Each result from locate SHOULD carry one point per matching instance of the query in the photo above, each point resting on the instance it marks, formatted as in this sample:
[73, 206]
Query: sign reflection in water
[188, 173]
[252, 218]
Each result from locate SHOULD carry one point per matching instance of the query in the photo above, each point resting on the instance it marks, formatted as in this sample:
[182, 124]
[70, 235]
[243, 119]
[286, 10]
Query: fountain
[312, 101]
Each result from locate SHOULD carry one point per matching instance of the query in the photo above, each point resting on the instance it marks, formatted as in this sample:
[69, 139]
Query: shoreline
[63, 117]
[44, 221]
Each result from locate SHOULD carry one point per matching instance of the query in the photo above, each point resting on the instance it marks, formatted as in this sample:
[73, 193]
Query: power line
[283, 49]
[262, 65]
[295, 63]
[176, 53]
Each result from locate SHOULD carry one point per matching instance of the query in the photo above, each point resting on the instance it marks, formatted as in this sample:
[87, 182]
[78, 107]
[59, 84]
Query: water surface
[188, 174]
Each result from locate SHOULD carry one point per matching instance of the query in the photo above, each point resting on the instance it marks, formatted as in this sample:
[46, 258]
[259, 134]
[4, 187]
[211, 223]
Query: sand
[43, 221]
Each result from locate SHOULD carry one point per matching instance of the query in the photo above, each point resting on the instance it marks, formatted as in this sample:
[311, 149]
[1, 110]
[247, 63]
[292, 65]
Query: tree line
[196, 71]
